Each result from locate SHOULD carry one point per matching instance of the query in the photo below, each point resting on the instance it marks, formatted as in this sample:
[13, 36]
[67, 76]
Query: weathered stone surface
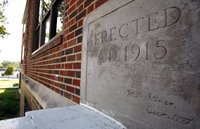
[71, 117]
[46, 97]
[141, 63]
[17, 123]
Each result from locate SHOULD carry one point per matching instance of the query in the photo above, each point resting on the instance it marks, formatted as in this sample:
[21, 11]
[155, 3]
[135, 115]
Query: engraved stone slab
[141, 63]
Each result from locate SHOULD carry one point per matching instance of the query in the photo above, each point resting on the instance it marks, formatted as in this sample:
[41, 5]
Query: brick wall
[57, 65]
[27, 36]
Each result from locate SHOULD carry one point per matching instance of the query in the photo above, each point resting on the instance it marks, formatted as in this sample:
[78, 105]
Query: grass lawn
[8, 82]
[9, 103]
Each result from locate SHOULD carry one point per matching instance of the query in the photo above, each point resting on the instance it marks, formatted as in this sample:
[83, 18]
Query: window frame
[39, 30]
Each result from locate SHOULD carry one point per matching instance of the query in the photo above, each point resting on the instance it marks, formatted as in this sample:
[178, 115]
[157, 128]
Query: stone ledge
[71, 117]
[46, 97]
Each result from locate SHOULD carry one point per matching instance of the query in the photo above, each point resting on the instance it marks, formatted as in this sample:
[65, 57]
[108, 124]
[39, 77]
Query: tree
[7, 63]
[9, 70]
[1, 66]
[3, 19]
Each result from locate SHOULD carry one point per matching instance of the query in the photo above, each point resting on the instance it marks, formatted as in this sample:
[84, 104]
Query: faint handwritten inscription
[173, 117]
[134, 94]
[149, 97]
[156, 99]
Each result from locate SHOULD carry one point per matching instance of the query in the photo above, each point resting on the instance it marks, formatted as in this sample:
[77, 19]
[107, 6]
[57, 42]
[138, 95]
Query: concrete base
[72, 117]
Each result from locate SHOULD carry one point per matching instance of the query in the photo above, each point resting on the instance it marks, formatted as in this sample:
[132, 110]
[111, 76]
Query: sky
[10, 46]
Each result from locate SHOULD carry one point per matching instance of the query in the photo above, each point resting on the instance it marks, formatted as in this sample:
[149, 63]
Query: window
[49, 21]
[47, 30]
[60, 17]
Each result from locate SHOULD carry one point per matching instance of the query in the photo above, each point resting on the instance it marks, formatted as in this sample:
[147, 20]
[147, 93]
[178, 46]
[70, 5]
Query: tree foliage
[9, 70]
[1, 66]
[3, 18]
[5, 64]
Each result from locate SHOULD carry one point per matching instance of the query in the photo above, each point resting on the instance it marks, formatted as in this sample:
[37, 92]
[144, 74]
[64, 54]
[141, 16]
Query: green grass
[8, 83]
[9, 103]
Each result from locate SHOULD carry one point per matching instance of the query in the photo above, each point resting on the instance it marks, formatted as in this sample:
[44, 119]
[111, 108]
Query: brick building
[52, 44]
[136, 61]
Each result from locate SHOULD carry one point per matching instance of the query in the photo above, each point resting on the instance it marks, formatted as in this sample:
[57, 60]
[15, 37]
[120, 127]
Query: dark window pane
[36, 41]
[37, 38]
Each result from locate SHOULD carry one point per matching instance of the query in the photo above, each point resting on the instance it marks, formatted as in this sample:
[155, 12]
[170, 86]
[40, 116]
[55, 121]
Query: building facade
[52, 46]
[136, 61]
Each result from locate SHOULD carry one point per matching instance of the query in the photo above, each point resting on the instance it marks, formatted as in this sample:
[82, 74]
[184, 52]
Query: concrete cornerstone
[141, 63]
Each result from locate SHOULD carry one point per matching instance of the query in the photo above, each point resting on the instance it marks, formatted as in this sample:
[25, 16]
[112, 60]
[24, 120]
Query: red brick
[57, 85]
[81, 15]
[80, 8]
[72, 2]
[76, 82]
[78, 48]
[62, 66]
[78, 56]
[66, 31]
[71, 73]
[69, 66]
[71, 43]
[52, 88]
[90, 8]
[70, 36]
[57, 90]
[76, 99]
[67, 95]
[70, 89]
[71, 22]
[62, 86]
[88, 2]
[61, 79]
[52, 77]
[71, 58]
[71, 9]
[80, 23]
[99, 3]
[64, 73]
[64, 45]
[79, 2]
[77, 65]
[58, 66]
